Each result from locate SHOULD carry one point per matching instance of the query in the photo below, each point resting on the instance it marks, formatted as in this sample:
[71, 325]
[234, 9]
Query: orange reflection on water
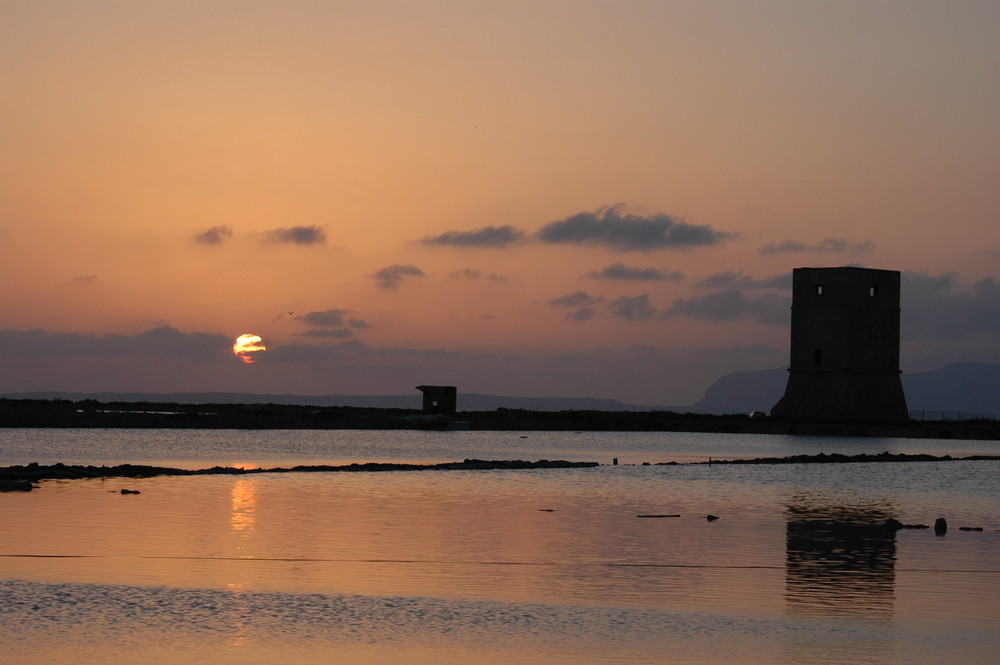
[244, 506]
[243, 522]
[240, 636]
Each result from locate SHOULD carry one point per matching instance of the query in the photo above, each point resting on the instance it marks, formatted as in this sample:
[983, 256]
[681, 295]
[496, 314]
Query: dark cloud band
[392, 276]
[612, 227]
[621, 272]
[490, 236]
[826, 246]
[297, 235]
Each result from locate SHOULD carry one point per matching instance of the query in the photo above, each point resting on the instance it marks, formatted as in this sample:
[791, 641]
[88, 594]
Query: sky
[527, 198]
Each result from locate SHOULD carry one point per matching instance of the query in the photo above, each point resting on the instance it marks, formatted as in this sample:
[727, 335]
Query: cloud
[642, 351]
[940, 307]
[922, 284]
[392, 276]
[214, 236]
[576, 299]
[621, 272]
[327, 333]
[737, 280]
[331, 324]
[633, 308]
[489, 236]
[945, 320]
[297, 235]
[331, 318]
[476, 274]
[162, 341]
[826, 246]
[581, 302]
[731, 305]
[352, 349]
[624, 231]
[317, 353]
[582, 314]
[630, 308]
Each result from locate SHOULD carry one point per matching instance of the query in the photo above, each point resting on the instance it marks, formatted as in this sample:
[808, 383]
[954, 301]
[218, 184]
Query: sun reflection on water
[243, 523]
[244, 500]
[240, 625]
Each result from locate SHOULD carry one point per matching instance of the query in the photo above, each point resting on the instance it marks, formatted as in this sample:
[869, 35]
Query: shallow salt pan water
[192, 448]
[540, 566]
[259, 627]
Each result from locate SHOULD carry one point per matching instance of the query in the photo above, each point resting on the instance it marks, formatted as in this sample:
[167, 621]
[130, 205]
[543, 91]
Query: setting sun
[248, 346]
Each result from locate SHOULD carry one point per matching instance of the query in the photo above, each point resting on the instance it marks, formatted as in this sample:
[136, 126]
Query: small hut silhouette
[440, 400]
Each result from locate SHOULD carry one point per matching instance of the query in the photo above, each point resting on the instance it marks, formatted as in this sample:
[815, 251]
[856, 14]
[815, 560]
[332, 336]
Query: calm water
[539, 566]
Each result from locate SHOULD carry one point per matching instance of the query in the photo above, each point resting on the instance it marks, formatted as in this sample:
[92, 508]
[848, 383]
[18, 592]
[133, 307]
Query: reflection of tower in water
[840, 560]
[840, 565]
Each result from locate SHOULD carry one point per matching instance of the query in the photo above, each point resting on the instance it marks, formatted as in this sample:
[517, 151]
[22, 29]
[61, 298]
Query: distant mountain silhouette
[743, 392]
[466, 401]
[967, 388]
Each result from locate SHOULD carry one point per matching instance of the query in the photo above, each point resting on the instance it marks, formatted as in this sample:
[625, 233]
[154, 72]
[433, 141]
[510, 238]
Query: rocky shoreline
[23, 477]
[839, 458]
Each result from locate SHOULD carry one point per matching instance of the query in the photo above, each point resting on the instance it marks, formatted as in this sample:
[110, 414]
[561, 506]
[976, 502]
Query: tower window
[873, 290]
[819, 289]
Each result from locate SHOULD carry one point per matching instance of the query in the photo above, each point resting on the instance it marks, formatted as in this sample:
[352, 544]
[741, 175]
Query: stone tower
[845, 347]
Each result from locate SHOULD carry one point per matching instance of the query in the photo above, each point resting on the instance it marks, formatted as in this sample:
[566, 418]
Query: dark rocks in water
[940, 526]
[657, 516]
[125, 491]
[895, 525]
[507, 464]
[711, 518]
[34, 472]
[970, 528]
[840, 458]
[15, 485]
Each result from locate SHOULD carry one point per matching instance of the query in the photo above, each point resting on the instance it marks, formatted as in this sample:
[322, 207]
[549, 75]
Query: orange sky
[571, 198]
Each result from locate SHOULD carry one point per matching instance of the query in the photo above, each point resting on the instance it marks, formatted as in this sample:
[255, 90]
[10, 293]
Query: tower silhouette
[844, 363]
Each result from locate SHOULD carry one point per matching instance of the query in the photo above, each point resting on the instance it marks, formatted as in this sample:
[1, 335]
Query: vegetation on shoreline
[94, 414]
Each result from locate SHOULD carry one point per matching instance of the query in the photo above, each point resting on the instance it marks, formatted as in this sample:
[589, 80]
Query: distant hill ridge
[967, 388]
[466, 402]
